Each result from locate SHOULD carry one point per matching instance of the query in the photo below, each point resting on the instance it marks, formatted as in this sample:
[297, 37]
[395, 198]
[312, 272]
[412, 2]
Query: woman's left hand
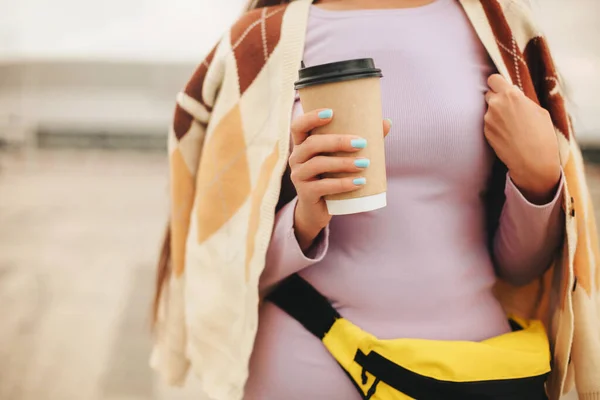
[523, 137]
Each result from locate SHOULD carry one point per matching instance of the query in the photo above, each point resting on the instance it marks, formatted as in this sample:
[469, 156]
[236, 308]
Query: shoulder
[521, 19]
[242, 52]
[253, 39]
[258, 26]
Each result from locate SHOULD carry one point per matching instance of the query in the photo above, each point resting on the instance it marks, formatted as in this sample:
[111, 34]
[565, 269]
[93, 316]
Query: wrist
[305, 228]
[537, 188]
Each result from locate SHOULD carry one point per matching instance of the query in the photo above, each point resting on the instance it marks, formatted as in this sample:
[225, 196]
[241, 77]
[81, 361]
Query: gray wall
[88, 96]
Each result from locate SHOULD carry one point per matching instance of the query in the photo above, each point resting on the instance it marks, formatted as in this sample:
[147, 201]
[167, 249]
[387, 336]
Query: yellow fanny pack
[511, 366]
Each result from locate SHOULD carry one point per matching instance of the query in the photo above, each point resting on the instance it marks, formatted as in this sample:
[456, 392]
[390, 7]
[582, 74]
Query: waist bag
[511, 366]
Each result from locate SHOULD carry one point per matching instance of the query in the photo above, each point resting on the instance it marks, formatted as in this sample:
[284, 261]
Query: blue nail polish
[359, 143]
[360, 181]
[326, 114]
[362, 162]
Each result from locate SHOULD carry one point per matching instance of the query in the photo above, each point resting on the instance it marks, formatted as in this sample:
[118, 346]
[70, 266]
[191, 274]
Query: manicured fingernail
[326, 114]
[390, 121]
[359, 143]
[362, 162]
[360, 181]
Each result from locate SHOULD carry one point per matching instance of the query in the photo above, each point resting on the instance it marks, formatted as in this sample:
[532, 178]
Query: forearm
[528, 235]
[285, 255]
[306, 232]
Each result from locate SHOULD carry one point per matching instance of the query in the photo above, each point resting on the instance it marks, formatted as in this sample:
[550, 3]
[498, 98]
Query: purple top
[420, 267]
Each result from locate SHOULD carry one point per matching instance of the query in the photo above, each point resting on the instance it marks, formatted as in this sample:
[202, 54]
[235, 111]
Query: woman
[375, 267]
[425, 266]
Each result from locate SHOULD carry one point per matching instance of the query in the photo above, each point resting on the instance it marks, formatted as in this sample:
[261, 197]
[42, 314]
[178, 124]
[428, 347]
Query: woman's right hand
[309, 159]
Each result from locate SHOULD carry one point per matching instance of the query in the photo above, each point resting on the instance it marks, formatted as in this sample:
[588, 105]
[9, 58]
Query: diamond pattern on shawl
[196, 83]
[508, 48]
[223, 177]
[253, 40]
[182, 122]
[538, 58]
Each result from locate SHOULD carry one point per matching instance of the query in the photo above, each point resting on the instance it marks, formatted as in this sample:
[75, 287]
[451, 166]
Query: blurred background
[86, 94]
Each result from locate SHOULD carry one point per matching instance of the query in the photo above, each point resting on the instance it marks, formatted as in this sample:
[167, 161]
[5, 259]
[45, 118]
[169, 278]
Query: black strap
[304, 303]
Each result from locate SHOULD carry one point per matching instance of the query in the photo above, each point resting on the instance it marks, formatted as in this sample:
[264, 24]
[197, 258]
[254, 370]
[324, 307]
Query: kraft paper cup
[352, 90]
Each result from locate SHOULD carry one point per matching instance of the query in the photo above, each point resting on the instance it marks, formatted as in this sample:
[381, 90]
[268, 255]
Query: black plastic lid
[337, 72]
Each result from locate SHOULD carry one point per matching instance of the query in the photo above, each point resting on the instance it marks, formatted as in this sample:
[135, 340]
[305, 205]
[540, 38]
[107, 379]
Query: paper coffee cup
[352, 90]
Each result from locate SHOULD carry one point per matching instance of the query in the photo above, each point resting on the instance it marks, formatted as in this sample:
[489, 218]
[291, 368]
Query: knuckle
[294, 176]
[293, 158]
[513, 93]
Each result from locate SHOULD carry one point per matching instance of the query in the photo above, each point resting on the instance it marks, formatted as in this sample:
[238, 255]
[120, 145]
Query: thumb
[387, 126]
[499, 84]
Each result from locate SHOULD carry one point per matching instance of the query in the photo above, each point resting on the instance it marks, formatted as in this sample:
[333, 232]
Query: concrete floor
[79, 233]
